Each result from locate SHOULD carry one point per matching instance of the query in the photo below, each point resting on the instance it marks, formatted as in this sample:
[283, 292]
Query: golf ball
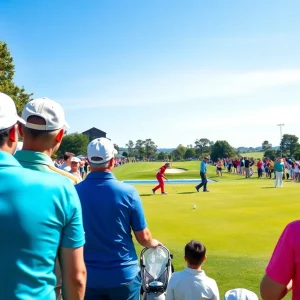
[194, 206]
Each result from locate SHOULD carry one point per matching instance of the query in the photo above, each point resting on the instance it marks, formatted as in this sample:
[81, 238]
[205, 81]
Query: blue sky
[173, 71]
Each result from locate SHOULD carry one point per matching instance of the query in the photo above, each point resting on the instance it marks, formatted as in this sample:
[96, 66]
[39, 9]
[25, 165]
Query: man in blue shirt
[111, 209]
[40, 216]
[203, 170]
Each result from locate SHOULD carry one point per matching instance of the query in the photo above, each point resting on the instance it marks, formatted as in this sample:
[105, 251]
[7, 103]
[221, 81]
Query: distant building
[94, 133]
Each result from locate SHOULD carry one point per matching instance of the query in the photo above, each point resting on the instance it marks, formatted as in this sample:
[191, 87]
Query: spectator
[111, 209]
[66, 165]
[42, 135]
[259, 168]
[192, 282]
[279, 169]
[283, 271]
[247, 164]
[75, 163]
[39, 216]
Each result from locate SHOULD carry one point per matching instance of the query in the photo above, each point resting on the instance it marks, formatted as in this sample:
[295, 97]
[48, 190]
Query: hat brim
[19, 119]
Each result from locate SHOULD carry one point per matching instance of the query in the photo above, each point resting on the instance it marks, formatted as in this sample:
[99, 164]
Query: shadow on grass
[146, 195]
[185, 193]
[268, 187]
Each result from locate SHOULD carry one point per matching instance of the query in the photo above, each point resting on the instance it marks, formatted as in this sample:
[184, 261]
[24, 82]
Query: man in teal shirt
[203, 170]
[279, 169]
[40, 216]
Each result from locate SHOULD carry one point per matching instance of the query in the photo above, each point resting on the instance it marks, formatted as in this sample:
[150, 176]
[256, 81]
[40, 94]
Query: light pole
[280, 125]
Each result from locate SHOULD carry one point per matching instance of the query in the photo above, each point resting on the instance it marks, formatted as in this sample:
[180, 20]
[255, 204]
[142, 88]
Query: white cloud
[182, 87]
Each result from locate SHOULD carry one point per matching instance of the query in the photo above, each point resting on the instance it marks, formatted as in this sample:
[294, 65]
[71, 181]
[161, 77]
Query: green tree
[190, 153]
[125, 153]
[7, 86]
[162, 156]
[150, 148]
[74, 142]
[221, 149]
[130, 148]
[117, 148]
[140, 149]
[179, 152]
[270, 154]
[289, 143]
[202, 146]
[266, 145]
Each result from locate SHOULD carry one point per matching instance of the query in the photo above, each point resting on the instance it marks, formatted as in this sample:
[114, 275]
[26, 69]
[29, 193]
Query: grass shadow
[146, 195]
[185, 193]
[268, 187]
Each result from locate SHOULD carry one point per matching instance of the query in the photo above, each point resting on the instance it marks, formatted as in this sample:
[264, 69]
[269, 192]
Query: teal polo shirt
[41, 162]
[38, 214]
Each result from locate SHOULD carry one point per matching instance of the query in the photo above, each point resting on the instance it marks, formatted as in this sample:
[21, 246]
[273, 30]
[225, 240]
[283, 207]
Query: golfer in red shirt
[160, 177]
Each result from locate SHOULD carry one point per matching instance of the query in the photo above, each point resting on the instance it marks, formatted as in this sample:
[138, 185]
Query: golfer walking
[160, 177]
[203, 170]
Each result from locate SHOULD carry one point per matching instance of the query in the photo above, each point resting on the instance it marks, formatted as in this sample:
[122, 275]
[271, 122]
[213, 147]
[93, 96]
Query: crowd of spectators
[65, 237]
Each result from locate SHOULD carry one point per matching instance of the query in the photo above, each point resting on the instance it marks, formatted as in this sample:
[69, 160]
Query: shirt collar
[34, 157]
[6, 159]
[100, 175]
[195, 272]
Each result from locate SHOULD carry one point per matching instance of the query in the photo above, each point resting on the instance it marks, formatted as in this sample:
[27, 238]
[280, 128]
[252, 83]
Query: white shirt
[65, 167]
[191, 284]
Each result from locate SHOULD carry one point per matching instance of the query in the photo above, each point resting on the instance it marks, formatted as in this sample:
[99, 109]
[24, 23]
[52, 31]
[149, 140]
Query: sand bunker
[173, 171]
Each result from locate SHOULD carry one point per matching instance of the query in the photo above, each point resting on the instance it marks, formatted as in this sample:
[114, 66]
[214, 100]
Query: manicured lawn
[239, 221]
[253, 154]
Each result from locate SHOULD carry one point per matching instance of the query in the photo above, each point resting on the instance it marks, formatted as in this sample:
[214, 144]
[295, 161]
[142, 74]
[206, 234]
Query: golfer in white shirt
[192, 282]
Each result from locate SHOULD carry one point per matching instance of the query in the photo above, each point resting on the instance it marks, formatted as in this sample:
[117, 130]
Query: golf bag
[156, 271]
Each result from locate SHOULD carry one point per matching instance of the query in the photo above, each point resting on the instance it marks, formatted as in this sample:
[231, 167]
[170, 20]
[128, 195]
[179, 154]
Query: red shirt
[162, 170]
[259, 164]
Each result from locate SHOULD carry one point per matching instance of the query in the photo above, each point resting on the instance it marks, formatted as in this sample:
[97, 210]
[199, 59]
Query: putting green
[239, 221]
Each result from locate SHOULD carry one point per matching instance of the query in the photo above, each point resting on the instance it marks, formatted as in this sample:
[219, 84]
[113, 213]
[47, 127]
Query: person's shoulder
[293, 227]
[68, 175]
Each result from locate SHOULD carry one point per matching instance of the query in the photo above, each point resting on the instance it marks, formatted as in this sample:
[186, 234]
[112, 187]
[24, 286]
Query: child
[192, 283]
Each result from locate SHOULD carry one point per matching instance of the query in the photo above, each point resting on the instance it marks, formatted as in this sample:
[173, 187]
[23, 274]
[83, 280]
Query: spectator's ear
[13, 134]
[60, 135]
[204, 259]
[20, 129]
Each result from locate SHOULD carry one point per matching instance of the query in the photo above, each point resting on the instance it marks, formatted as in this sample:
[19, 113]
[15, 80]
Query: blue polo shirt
[38, 213]
[110, 209]
[203, 167]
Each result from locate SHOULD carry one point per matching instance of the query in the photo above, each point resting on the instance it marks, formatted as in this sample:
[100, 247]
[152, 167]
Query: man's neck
[47, 152]
[194, 267]
[101, 170]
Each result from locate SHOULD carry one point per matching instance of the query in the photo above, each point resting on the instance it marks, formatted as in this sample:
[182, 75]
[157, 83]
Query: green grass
[253, 154]
[239, 221]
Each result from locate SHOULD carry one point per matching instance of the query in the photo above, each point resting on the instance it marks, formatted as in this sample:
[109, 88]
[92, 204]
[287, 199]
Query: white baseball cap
[75, 159]
[49, 110]
[101, 150]
[8, 112]
[240, 294]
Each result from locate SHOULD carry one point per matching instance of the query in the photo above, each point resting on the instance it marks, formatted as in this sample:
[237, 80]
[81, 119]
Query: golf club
[172, 186]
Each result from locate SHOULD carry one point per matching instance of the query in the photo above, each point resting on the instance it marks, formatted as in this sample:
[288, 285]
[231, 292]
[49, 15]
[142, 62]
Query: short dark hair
[34, 133]
[67, 155]
[194, 252]
[4, 134]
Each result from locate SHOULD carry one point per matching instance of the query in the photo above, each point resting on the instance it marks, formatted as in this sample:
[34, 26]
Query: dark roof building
[94, 133]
